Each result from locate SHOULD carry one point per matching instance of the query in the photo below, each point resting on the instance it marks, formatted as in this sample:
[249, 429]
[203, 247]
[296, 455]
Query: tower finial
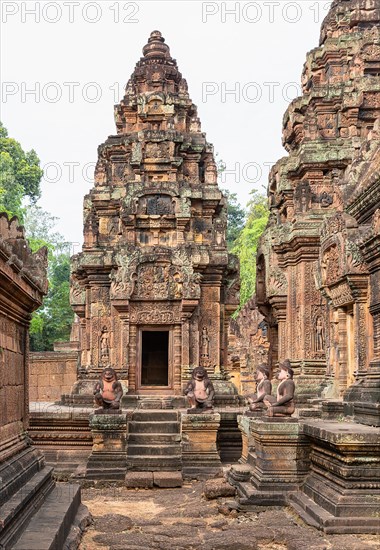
[156, 46]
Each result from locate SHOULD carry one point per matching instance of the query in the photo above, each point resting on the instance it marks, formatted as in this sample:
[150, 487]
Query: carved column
[124, 343]
[177, 349]
[279, 307]
[361, 352]
[132, 356]
[342, 360]
[185, 342]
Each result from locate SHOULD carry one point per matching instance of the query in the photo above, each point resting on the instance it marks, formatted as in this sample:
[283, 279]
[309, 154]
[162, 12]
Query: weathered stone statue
[200, 391]
[108, 390]
[283, 403]
[264, 388]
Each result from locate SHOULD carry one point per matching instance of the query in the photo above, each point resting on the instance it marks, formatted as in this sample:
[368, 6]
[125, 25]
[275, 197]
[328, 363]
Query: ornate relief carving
[331, 268]
[332, 225]
[153, 313]
[77, 292]
[341, 295]
[354, 256]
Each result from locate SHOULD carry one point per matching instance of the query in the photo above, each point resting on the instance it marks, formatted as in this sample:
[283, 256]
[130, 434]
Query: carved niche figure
[263, 389]
[177, 285]
[283, 403]
[325, 199]
[319, 335]
[303, 197]
[108, 391]
[205, 347]
[200, 391]
[219, 233]
[104, 346]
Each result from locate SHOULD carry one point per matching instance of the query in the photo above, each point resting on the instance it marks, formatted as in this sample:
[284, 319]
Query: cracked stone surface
[182, 519]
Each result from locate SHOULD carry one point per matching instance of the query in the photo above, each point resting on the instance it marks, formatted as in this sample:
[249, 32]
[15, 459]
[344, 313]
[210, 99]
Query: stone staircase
[154, 441]
[35, 512]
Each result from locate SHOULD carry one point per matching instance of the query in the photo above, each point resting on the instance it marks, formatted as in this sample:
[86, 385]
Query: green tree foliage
[245, 246]
[20, 175]
[52, 322]
[235, 218]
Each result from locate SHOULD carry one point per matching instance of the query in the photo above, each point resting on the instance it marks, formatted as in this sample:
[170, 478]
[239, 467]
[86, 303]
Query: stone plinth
[200, 457]
[342, 492]
[281, 462]
[108, 457]
[248, 444]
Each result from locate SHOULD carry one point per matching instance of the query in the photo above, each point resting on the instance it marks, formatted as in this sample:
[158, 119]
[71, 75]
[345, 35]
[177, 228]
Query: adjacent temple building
[318, 261]
[154, 286]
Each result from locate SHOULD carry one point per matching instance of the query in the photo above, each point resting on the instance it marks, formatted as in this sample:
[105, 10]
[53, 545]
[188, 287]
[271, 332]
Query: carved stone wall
[26, 484]
[23, 283]
[154, 253]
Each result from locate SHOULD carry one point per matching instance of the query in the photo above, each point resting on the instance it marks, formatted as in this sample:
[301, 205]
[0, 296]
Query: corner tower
[154, 285]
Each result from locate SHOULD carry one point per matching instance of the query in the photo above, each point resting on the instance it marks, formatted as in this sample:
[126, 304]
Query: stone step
[17, 511]
[51, 525]
[310, 413]
[154, 450]
[154, 427]
[154, 463]
[110, 466]
[155, 416]
[18, 470]
[306, 509]
[141, 438]
[249, 496]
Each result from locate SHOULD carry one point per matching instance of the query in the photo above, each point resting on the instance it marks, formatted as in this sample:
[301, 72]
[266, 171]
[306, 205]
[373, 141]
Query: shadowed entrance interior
[154, 358]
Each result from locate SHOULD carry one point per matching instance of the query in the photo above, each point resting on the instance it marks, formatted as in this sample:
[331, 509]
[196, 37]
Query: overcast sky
[65, 64]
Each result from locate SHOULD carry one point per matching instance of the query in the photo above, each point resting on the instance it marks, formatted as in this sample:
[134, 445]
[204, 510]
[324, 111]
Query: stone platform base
[341, 494]
[279, 465]
[318, 517]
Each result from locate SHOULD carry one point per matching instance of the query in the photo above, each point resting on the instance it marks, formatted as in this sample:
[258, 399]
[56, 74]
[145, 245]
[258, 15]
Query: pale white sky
[64, 64]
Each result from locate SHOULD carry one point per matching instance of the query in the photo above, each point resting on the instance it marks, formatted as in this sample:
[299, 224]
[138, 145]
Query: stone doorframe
[154, 389]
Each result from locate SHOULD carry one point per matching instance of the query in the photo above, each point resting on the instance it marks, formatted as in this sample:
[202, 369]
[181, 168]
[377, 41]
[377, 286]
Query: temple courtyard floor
[176, 519]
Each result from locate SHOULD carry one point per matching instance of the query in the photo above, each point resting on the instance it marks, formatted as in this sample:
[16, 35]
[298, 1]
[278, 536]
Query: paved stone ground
[182, 519]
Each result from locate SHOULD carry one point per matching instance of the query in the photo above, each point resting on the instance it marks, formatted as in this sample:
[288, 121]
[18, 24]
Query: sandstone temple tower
[154, 286]
[318, 268]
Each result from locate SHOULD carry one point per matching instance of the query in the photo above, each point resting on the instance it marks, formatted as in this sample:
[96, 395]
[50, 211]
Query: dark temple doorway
[155, 358]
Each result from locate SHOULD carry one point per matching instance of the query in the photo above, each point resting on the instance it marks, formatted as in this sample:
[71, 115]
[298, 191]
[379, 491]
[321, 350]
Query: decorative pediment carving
[278, 284]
